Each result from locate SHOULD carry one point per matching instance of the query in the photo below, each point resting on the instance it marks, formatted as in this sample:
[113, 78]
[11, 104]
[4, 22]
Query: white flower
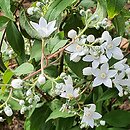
[77, 50]
[17, 83]
[68, 90]
[44, 29]
[41, 79]
[90, 38]
[38, 4]
[96, 59]
[36, 98]
[23, 109]
[103, 76]
[21, 102]
[128, 72]
[29, 92]
[119, 82]
[30, 10]
[8, 111]
[90, 115]
[1, 119]
[120, 65]
[72, 34]
[102, 122]
[87, 71]
[111, 46]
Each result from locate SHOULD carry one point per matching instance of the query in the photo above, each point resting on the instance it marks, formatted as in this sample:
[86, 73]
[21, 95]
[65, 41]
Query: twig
[2, 39]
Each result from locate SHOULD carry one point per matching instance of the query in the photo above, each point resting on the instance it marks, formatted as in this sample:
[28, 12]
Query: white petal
[108, 83]
[88, 58]
[109, 54]
[112, 73]
[76, 92]
[92, 107]
[117, 53]
[97, 82]
[95, 72]
[117, 41]
[118, 66]
[96, 115]
[42, 23]
[91, 123]
[35, 25]
[106, 36]
[49, 32]
[103, 59]
[73, 56]
[120, 89]
[105, 67]
[87, 71]
[51, 25]
[95, 64]
[72, 47]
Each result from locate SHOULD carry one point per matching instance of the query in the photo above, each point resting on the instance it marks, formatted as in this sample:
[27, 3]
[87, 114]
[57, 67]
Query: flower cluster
[100, 56]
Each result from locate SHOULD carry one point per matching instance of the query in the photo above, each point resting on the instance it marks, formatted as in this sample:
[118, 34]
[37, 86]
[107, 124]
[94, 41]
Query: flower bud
[17, 83]
[102, 123]
[125, 93]
[90, 38]
[38, 4]
[29, 92]
[30, 100]
[1, 119]
[41, 79]
[23, 109]
[8, 111]
[30, 10]
[72, 34]
[21, 102]
[36, 98]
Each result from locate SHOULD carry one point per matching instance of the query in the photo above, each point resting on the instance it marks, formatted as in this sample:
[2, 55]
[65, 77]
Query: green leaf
[39, 117]
[7, 76]
[87, 4]
[56, 8]
[27, 26]
[116, 129]
[57, 113]
[3, 21]
[27, 124]
[114, 7]
[5, 6]
[119, 22]
[76, 67]
[117, 118]
[55, 43]
[16, 41]
[110, 93]
[24, 68]
[36, 51]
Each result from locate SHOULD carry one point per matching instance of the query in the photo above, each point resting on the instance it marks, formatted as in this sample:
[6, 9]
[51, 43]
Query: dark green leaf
[56, 8]
[117, 118]
[27, 26]
[110, 93]
[57, 113]
[114, 7]
[3, 21]
[15, 40]
[39, 117]
[76, 67]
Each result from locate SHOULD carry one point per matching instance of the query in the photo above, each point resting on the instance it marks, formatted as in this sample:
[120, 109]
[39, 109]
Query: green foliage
[114, 7]
[24, 68]
[56, 8]
[5, 6]
[117, 118]
[16, 41]
[57, 113]
[3, 21]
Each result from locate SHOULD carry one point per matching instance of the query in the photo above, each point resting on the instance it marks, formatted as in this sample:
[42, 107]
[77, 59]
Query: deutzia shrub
[64, 65]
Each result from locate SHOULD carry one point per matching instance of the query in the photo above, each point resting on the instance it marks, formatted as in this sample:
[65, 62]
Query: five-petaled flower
[90, 115]
[44, 29]
[103, 76]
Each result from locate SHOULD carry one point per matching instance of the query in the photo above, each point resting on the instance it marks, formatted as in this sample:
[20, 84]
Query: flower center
[103, 75]
[109, 46]
[69, 95]
[88, 114]
[78, 48]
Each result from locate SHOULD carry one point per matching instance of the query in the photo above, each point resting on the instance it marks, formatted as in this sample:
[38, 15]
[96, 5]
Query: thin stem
[10, 94]
[5, 85]
[42, 58]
